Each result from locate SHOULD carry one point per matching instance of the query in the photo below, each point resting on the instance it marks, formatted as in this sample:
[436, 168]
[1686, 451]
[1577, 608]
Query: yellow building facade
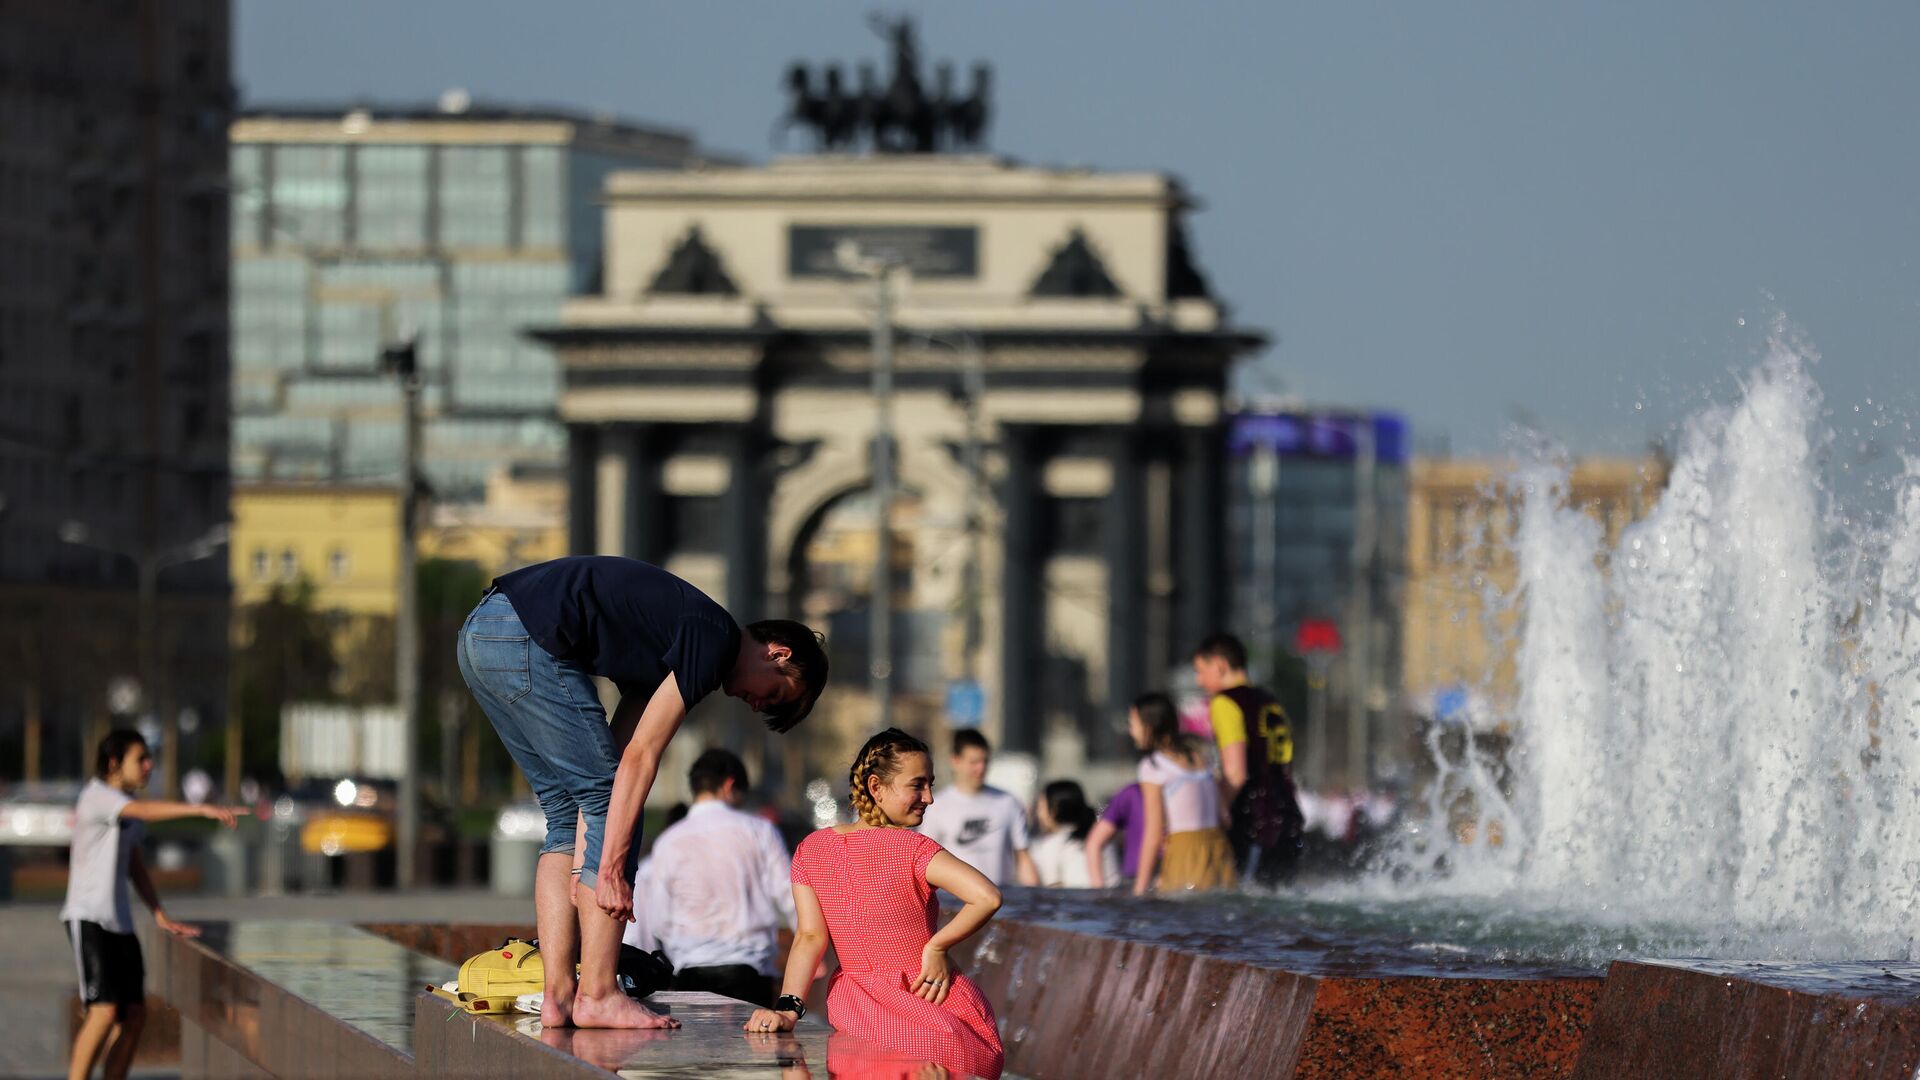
[1458, 637]
[345, 539]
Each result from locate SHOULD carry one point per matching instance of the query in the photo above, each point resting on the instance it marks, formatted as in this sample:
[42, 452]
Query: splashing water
[1716, 748]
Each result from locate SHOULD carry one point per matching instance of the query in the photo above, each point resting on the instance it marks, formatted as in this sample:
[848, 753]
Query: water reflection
[364, 980]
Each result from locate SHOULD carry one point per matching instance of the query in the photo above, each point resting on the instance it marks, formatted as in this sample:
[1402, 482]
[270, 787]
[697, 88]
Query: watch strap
[790, 1003]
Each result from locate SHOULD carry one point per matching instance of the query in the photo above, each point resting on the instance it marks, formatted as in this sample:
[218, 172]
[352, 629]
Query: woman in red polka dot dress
[868, 889]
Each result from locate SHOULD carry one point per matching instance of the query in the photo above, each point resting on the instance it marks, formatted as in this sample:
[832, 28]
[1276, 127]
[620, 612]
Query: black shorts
[111, 969]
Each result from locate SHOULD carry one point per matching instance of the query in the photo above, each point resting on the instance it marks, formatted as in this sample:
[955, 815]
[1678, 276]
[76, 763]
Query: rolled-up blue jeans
[549, 715]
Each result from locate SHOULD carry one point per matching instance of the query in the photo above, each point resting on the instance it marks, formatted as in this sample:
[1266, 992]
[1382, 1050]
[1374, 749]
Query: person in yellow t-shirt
[1255, 738]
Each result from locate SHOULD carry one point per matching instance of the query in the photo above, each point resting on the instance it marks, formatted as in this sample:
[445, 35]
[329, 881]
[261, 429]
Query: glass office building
[462, 225]
[1316, 551]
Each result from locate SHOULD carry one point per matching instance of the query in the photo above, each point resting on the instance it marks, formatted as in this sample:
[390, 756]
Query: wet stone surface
[360, 979]
[710, 1045]
[1894, 982]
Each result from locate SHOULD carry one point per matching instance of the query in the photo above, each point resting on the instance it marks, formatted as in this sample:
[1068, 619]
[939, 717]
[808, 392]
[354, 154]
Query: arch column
[1126, 571]
[583, 453]
[1021, 647]
[746, 516]
[1201, 507]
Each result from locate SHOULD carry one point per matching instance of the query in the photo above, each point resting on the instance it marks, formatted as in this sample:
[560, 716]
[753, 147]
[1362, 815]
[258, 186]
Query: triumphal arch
[1059, 365]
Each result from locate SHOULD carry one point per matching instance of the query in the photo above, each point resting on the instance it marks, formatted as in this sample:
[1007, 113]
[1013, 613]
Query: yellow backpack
[489, 981]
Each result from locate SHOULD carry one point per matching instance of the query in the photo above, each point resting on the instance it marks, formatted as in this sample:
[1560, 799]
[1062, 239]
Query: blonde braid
[864, 807]
[877, 759]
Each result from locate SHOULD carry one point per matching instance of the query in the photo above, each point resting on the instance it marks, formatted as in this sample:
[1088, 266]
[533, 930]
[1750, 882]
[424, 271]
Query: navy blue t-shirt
[629, 621]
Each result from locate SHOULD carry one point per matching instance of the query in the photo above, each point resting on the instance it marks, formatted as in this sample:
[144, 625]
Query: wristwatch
[792, 1004]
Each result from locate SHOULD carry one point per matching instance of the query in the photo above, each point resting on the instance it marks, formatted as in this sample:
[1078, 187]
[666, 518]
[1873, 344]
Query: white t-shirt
[1191, 795]
[717, 889]
[1062, 861]
[97, 870]
[983, 829]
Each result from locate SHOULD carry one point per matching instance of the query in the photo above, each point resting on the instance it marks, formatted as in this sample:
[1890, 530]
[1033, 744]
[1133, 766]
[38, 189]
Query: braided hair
[879, 757]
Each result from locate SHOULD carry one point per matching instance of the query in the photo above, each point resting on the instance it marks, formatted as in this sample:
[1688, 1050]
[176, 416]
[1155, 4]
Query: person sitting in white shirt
[716, 888]
[1060, 854]
[639, 933]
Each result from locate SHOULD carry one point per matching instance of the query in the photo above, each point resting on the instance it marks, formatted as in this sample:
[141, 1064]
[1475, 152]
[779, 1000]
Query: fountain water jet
[1715, 738]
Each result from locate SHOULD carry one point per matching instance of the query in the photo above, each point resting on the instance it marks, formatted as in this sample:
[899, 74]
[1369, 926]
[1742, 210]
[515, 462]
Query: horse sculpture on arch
[902, 117]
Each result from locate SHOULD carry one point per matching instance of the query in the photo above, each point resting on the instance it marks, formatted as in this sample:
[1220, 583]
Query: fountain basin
[1795, 1021]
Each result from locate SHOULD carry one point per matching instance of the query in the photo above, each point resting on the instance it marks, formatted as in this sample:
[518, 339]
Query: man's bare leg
[126, 1039]
[600, 1003]
[90, 1038]
[553, 914]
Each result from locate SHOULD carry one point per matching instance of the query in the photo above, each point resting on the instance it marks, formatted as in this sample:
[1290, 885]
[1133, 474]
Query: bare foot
[556, 1010]
[617, 1010]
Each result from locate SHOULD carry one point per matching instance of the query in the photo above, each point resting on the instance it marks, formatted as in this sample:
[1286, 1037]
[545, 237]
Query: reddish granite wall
[1657, 1021]
[1079, 1005]
[1073, 1005]
[1447, 1027]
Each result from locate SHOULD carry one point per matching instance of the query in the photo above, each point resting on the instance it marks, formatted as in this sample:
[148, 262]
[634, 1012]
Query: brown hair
[1223, 647]
[1162, 721]
[808, 664]
[114, 748]
[880, 757]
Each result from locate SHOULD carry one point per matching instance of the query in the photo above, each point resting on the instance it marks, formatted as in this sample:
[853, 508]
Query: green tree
[450, 721]
[285, 654]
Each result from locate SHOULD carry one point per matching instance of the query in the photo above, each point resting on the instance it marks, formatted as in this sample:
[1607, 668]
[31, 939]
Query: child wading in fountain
[868, 890]
[529, 652]
[1182, 803]
[108, 824]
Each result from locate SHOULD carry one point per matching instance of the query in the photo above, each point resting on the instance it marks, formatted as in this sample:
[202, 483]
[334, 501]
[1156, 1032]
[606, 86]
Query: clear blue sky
[1467, 211]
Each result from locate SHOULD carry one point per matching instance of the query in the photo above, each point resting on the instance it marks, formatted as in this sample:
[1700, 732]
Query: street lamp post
[1360, 610]
[880, 270]
[973, 394]
[881, 612]
[402, 360]
[148, 563]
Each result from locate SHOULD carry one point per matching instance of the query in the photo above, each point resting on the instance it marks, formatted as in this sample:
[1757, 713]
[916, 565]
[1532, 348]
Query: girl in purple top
[1127, 816]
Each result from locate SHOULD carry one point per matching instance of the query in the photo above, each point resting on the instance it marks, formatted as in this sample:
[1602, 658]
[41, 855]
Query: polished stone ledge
[709, 1045]
[307, 1000]
[300, 1000]
[1078, 996]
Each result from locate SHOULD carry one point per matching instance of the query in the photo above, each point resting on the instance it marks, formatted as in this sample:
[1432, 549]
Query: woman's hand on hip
[936, 975]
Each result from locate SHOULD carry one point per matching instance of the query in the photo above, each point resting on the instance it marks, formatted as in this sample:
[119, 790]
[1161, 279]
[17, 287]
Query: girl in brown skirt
[1182, 802]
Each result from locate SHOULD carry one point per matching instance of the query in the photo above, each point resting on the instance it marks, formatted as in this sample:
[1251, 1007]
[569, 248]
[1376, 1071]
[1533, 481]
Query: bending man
[529, 652]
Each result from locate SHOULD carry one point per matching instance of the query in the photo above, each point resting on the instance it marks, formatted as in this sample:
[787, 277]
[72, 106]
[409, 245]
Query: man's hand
[177, 929]
[225, 815]
[614, 896]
